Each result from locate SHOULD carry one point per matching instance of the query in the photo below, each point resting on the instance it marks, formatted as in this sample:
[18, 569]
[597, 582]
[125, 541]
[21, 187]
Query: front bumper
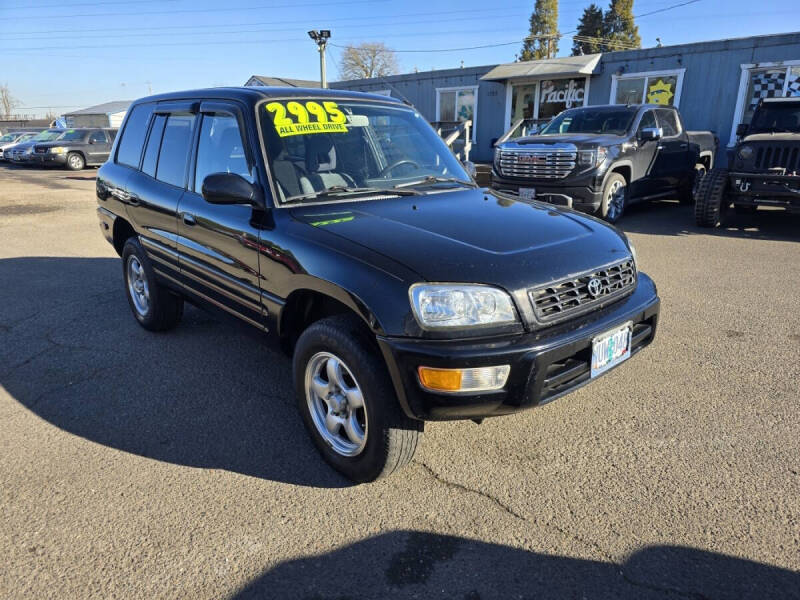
[49, 159]
[579, 197]
[545, 364]
[765, 189]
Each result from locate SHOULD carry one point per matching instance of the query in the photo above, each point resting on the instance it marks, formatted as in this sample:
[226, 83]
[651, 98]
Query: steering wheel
[389, 168]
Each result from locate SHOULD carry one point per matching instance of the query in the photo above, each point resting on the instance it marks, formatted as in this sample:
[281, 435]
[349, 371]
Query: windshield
[320, 149]
[776, 117]
[72, 135]
[46, 136]
[9, 137]
[613, 121]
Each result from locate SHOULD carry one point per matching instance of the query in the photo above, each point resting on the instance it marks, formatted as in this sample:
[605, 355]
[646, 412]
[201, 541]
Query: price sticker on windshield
[306, 118]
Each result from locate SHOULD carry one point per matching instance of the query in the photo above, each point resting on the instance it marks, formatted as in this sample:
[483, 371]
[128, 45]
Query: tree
[368, 60]
[589, 26]
[619, 26]
[542, 41]
[7, 101]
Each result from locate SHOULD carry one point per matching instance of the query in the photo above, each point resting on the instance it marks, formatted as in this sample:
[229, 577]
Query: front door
[643, 159]
[672, 162]
[99, 147]
[218, 244]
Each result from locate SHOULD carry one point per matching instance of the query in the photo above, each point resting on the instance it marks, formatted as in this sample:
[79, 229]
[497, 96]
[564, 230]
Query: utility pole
[321, 37]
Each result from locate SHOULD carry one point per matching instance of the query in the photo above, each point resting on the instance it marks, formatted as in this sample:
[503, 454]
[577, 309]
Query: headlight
[633, 254]
[745, 152]
[460, 305]
[592, 158]
[58, 150]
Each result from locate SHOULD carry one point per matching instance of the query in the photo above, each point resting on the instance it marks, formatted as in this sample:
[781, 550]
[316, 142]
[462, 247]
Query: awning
[567, 66]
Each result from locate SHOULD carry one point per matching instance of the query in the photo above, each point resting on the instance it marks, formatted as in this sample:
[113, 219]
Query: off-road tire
[689, 187]
[165, 308]
[711, 201]
[391, 436]
[75, 161]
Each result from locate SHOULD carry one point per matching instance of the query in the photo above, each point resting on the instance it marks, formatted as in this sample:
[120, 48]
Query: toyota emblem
[595, 287]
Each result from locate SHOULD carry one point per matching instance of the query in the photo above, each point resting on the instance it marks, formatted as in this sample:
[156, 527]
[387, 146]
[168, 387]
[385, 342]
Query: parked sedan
[12, 139]
[21, 153]
[75, 149]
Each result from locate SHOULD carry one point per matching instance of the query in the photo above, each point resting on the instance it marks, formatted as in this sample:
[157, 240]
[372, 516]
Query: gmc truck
[600, 159]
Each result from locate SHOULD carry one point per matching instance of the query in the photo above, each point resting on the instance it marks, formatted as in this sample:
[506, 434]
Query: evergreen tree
[542, 41]
[590, 25]
[619, 26]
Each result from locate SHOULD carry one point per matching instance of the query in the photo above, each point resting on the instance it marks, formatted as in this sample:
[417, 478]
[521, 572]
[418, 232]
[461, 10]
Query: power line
[72, 4]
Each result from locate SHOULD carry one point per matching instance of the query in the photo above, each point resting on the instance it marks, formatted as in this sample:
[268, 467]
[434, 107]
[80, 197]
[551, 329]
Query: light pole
[321, 38]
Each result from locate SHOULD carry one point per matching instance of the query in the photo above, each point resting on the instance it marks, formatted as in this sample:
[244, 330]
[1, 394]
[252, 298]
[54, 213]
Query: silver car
[21, 152]
[9, 140]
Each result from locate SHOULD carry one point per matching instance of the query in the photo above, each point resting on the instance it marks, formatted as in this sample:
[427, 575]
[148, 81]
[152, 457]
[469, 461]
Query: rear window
[175, 149]
[668, 122]
[130, 146]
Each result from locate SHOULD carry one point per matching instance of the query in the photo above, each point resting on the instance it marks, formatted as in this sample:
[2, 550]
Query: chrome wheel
[336, 404]
[616, 200]
[75, 162]
[137, 286]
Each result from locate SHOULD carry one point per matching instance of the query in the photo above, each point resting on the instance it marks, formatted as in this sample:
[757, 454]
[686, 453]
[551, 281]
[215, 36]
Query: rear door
[218, 244]
[671, 164]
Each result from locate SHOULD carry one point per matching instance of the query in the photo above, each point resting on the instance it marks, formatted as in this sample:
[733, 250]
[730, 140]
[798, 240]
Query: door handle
[189, 219]
[684, 145]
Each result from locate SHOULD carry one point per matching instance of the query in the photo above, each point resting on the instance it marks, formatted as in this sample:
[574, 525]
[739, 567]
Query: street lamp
[321, 38]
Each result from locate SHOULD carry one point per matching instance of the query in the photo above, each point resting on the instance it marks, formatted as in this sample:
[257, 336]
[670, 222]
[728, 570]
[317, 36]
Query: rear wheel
[347, 401]
[153, 305]
[711, 202]
[687, 192]
[75, 162]
[615, 197]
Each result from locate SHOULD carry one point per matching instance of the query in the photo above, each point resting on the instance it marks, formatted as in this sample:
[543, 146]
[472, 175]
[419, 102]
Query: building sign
[560, 94]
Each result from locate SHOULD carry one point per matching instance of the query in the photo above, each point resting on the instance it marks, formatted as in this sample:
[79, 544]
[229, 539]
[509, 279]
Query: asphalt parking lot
[139, 465]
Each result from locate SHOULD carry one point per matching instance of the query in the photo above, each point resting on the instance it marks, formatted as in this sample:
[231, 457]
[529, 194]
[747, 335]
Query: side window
[130, 146]
[220, 149]
[153, 144]
[648, 121]
[175, 149]
[668, 122]
[98, 137]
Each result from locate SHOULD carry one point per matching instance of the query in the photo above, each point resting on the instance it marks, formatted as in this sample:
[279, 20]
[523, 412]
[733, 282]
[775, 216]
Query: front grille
[41, 149]
[772, 157]
[537, 164]
[573, 296]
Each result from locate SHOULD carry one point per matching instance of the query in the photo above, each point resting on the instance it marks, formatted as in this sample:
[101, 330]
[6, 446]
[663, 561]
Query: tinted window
[73, 135]
[614, 121]
[130, 146]
[648, 121]
[668, 122]
[220, 149]
[153, 144]
[98, 137]
[175, 149]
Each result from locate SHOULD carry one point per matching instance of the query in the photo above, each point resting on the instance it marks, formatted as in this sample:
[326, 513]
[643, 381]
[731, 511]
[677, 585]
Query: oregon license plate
[527, 193]
[611, 348]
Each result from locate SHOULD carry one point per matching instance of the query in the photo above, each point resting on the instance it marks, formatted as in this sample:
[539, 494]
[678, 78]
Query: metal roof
[106, 108]
[549, 67]
[282, 82]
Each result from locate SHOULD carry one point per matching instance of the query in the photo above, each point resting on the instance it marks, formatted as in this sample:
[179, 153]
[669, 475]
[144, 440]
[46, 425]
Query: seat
[321, 165]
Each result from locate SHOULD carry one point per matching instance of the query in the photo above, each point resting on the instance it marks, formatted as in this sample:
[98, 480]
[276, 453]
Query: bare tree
[7, 101]
[368, 60]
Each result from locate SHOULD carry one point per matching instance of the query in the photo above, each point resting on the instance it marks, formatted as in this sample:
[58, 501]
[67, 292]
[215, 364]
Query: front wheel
[347, 401]
[711, 199]
[75, 161]
[615, 197]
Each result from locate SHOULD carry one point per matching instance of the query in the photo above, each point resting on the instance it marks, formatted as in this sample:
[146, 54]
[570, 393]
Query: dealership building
[715, 84]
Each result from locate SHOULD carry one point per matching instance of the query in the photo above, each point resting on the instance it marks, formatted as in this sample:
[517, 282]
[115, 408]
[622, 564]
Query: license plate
[611, 348]
[527, 193]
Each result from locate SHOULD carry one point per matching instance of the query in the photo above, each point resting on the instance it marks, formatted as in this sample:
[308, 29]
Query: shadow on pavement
[413, 564]
[208, 394]
[671, 218]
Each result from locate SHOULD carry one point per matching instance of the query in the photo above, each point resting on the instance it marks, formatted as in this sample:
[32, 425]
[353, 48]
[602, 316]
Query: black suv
[75, 149]
[763, 169]
[599, 159]
[343, 225]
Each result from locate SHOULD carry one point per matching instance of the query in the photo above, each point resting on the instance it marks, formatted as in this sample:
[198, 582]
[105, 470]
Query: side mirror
[92, 141]
[651, 134]
[471, 169]
[230, 188]
[741, 129]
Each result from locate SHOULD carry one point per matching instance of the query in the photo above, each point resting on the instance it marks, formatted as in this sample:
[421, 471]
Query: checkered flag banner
[767, 85]
[793, 89]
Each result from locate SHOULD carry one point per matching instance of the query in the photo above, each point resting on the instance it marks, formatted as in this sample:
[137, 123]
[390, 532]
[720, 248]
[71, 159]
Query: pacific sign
[570, 95]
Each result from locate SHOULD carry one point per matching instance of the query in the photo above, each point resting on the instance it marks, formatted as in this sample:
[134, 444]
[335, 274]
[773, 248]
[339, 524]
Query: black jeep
[763, 169]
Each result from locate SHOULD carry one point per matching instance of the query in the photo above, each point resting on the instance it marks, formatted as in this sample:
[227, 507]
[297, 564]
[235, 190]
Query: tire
[615, 197]
[154, 306]
[711, 203]
[689, 188]
[745, 209]
[389, 437]
[75, 161]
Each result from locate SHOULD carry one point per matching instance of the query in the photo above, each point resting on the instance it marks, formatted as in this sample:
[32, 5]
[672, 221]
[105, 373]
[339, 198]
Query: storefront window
[655, 88]
[457, 105]
[630, 91]
[557, 95]
[758, 83]
[523, 102]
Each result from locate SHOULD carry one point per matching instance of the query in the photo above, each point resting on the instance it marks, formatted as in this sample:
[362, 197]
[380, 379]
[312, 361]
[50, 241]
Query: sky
[60, 56]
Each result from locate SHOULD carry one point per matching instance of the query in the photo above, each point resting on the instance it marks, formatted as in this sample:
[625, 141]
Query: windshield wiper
[430, 179]
[336, 190]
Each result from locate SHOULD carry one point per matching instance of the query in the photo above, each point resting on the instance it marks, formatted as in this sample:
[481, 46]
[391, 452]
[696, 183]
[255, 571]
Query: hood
[579, 139]
[53, 143]
[474, 236]
[782, 136]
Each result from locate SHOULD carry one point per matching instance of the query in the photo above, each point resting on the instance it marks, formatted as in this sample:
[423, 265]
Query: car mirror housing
[651, 134]
[230, 188]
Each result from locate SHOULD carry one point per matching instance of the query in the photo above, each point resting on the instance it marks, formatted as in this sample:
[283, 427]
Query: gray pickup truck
[599, 159]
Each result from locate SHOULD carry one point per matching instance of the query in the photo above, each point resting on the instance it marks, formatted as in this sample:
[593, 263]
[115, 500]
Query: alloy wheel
[137, 286]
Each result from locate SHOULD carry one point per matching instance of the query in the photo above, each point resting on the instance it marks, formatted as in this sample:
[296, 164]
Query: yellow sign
[327, 118]
[660, 93]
